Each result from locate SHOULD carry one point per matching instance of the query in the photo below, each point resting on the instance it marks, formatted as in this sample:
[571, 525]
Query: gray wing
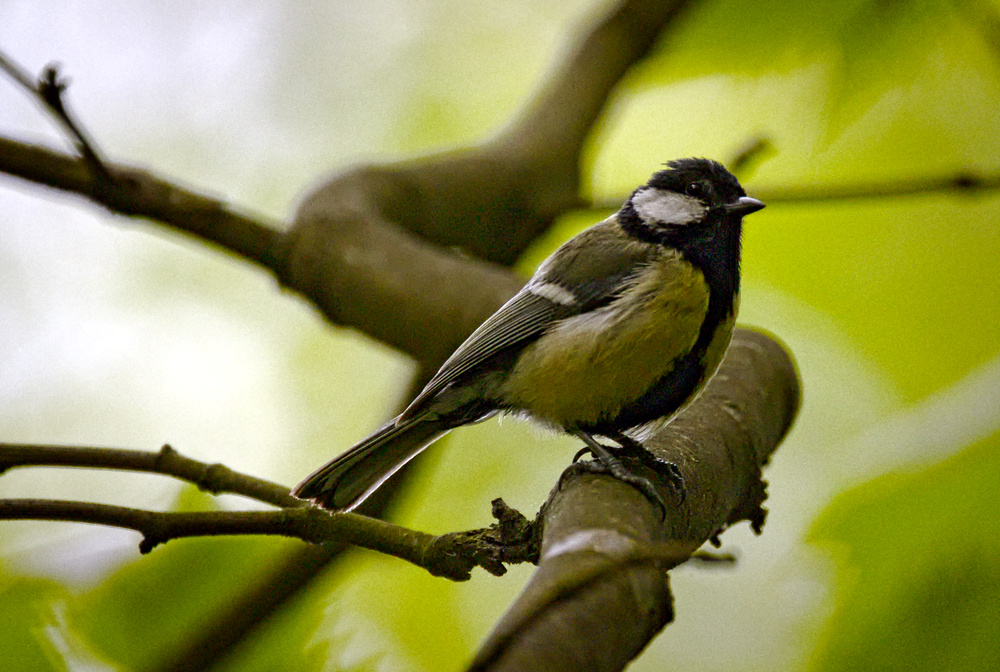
[588, 282]
[525, 316]
[592, 269]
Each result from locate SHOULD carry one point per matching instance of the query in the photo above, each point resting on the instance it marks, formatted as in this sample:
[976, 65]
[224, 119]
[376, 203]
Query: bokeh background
[882, 547]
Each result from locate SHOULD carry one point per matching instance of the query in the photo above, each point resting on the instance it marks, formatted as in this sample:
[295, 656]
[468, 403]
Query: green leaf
[912, 281]
[882, 47]
[726, 37]
[918, 563]
[141, 612]
[26, 617]
[292, 639]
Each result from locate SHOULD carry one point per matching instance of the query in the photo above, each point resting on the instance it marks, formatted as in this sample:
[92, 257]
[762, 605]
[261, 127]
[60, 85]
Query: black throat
[717, 255]
[718, 258]
[714, 248]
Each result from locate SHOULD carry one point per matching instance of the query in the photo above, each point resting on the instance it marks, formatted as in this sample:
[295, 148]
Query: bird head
[691, 198]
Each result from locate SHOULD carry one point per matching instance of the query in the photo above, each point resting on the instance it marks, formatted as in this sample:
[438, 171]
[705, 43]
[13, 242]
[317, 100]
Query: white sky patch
[942, 424]
[667, 207]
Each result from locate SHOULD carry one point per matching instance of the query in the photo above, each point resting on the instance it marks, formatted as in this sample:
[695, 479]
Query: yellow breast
[586, 368]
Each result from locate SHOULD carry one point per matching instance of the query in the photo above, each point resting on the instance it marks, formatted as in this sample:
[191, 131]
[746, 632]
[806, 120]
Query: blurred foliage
[26, 620]
[188, 582]
[919, 557]
[891, 306]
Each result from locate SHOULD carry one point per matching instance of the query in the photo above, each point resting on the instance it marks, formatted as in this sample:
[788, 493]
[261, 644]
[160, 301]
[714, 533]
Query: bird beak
[744, 206]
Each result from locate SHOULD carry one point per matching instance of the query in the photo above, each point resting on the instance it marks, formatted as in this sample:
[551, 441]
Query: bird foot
[633, 449]
[618, 470]
[607, 462]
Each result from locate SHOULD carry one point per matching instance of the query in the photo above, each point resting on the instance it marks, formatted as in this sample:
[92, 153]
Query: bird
[621, 326]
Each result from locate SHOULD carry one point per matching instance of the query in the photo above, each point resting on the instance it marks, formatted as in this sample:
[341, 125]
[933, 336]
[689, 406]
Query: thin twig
[16, 72]
[749, 154]
[51, 88]
[48, 90]
[213, 478]
[962, 183]
[452, 555]
[959, 183]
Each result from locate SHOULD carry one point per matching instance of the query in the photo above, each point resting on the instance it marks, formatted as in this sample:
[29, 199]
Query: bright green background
[881, 548]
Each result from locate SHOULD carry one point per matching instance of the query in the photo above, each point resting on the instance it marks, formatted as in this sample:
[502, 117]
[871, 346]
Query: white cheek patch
[667, 207]
[552, 292]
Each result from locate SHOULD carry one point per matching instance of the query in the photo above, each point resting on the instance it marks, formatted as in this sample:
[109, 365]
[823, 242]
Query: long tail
[346, 481]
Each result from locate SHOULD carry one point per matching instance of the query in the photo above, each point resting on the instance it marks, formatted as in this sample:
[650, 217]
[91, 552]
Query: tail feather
[349, 479]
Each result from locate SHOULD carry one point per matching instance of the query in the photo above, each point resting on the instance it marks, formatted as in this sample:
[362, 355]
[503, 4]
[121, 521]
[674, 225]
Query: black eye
[695, 189]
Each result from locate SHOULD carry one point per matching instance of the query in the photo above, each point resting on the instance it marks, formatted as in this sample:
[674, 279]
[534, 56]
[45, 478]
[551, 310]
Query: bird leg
[635, 450]
[607, 463]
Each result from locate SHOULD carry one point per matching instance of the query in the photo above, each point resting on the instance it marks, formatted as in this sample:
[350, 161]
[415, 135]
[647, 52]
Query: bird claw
[618, 470]
[635, 450]
[607, 462]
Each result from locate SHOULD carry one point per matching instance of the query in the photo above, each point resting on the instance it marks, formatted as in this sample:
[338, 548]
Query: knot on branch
[512, 539]
[214, 478]
[512, 528]
[166, 454]
[149, 542]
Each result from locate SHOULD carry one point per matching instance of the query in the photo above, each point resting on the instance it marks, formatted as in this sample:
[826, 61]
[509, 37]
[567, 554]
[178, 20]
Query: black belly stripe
[666, 395]
[673, 389]
[718, 260]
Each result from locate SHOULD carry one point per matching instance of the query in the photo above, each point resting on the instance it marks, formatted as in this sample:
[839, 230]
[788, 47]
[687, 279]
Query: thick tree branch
[605, 550]
[385, 233]
[563, 112]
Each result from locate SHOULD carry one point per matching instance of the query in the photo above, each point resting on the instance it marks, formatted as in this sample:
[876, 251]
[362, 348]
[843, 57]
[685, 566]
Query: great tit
[620, 326]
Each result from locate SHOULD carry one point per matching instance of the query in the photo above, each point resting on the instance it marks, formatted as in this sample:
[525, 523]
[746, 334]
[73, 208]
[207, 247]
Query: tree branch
[451, 555]
[605, 549]
[213, 478]
[139, 193]
[960, 183]
[370, 248]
